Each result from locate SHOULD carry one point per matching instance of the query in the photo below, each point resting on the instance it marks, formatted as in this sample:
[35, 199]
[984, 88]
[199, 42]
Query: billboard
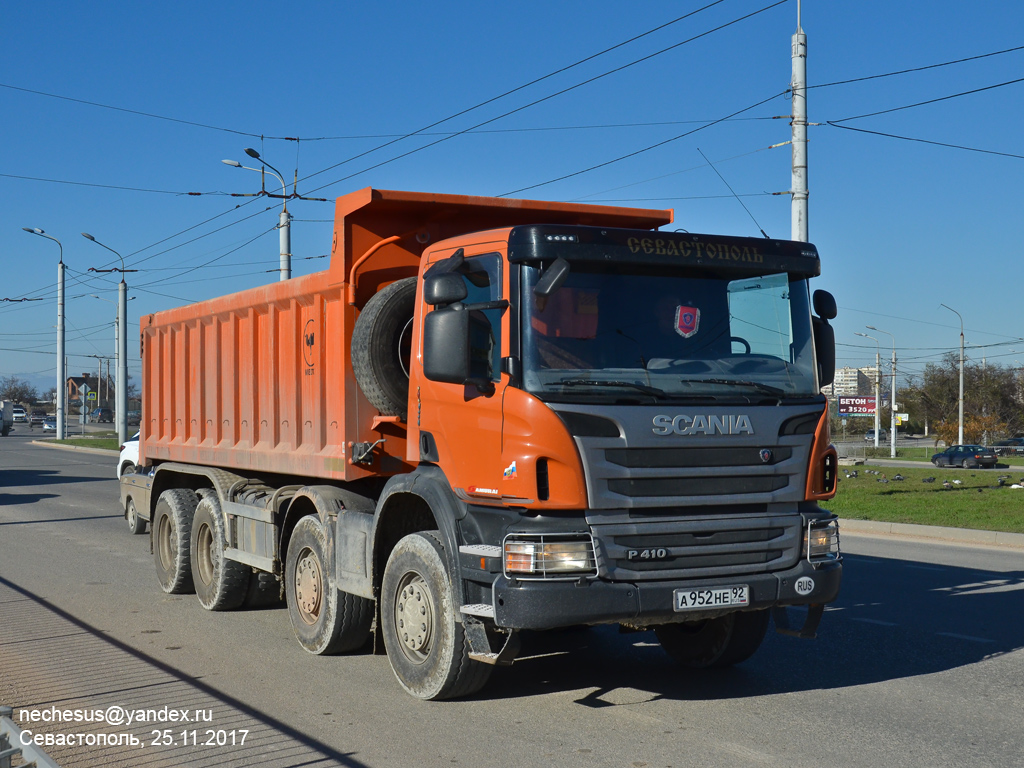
[856, 406]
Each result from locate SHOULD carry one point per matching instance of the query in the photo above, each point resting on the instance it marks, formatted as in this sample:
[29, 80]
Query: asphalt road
[919, 663]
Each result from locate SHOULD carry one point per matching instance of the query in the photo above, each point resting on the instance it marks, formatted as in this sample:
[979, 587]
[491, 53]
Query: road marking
[879, 622]
[970, 638]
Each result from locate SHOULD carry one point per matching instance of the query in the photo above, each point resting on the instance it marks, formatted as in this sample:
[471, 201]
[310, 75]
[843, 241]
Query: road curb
[99, 451]
[934, 532]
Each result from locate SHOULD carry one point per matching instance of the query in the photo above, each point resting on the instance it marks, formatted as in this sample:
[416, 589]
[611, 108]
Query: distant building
[851, 381]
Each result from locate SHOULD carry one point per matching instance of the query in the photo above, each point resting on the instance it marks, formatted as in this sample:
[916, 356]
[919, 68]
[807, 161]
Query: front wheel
[324, 619]
[135, 523]
[714, 643]
[966, 464]
[427, 647]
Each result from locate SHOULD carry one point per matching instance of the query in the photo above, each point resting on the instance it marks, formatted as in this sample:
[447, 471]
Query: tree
[17, 390]
[992, 400]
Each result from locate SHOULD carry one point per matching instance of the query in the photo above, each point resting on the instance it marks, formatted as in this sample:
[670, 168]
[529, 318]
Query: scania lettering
[488, 416]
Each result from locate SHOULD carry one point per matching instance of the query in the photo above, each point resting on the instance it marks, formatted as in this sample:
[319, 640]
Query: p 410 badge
[647, 554]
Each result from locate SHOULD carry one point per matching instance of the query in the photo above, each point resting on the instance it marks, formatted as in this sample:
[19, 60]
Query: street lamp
[62, 376]
[960, 440]
[892, 414]
[878, 379]
[121, 393]
[285, 226]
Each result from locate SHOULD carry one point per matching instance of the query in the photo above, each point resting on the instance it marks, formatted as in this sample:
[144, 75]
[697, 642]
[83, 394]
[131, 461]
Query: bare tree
[17, 390]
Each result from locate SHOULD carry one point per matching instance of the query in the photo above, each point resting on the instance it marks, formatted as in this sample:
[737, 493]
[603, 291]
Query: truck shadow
[30, 477]
[894, 619]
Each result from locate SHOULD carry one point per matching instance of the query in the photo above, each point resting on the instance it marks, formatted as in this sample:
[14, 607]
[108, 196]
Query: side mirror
[443, 288]
[824, 305]
[446, 345]
[553, 278]
[825, 348]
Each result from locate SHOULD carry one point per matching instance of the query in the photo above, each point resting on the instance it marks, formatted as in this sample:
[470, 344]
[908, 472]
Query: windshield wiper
[766, 388]
[647, 390]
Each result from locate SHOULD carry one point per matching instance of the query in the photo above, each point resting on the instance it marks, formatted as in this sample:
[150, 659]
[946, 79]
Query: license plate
[711, 597]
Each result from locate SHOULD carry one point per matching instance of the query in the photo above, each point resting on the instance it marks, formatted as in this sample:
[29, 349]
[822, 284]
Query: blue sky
[901, 225]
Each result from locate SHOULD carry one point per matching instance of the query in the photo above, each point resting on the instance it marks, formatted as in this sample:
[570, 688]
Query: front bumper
[521, 604]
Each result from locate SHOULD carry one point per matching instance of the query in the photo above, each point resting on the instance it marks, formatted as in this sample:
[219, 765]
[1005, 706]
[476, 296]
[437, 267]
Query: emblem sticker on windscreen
[687, 321]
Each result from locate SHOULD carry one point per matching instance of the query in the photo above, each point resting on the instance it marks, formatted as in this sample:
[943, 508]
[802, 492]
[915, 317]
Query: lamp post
[892, 414]
[117, 337]
[960, 436]
[285, 225]
[878, 379]
[62, 376]
[121, 387]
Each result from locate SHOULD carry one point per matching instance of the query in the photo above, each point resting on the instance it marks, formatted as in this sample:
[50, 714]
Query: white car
[129, 457]
[20, 416]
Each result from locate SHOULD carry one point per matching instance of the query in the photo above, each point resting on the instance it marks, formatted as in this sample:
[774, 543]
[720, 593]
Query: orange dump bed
[259, 380]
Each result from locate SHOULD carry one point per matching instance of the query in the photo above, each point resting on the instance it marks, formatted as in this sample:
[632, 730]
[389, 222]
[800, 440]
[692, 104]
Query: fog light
[549, 556]
[822, 540]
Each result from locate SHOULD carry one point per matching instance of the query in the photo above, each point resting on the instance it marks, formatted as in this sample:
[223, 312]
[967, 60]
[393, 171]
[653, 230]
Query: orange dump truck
[490, 415]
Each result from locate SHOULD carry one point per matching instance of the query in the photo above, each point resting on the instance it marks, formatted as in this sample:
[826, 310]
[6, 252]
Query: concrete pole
[122, 361]
[286, 244]
[62, 375]
[960, 439]
[799, 229]
[892, 413]
[878, 394]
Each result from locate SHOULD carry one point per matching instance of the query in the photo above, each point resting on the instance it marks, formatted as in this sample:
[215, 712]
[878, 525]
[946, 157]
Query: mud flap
[809, 629]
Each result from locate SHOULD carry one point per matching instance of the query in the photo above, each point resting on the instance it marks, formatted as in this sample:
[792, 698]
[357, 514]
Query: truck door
[462, 422]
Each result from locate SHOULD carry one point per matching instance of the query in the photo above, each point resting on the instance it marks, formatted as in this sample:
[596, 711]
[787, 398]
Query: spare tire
[382, 345]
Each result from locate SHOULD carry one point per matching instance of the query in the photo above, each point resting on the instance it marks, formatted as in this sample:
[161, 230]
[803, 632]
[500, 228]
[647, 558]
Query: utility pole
[960, 440]
[799, 229]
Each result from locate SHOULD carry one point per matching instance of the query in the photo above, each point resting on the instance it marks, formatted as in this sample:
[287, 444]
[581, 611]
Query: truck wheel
[381, 345]
[714, 643]
[221, 584]
[172, 531]
[427, 647]
[324, 619]
[135, 523]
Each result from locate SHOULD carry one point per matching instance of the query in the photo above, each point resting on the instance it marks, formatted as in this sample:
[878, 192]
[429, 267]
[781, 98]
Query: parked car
[102, 414]
[965, 456]
[20, 416]
[134, 418]
[1012, 447]
[50, 424]
[129, 457]
[38, 417]
[869, 436]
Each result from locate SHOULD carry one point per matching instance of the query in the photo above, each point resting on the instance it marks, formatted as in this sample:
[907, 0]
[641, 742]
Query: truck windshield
[640, 333]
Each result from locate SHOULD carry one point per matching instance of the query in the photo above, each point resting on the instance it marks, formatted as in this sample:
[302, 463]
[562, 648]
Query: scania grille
[697, 486]
[647, 551]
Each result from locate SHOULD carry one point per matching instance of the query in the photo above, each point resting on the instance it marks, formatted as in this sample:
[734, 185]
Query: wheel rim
[204, 553]
[308, 586]
[405, 347]
[132, 514]
[414, 617]
[164, 547]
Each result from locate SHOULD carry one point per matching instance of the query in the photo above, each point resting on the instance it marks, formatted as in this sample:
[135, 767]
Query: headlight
[542, 556]
[822, 541]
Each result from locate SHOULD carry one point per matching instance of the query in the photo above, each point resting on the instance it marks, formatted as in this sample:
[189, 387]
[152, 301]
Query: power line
[644, 149]
[926, 141]
[917, 69]
[929, 101]
[536, 101]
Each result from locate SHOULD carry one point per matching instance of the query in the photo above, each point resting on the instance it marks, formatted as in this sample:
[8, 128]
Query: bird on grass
[946, 484]
[928, 480]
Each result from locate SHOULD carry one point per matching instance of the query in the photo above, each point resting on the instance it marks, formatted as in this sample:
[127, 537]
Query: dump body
[260, 380]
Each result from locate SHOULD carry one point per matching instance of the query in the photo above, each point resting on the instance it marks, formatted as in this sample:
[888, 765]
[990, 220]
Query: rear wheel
[966, 464]
[714, 643]
[135, 523]
[172, 532]
[427, 647]
[324, 619]
[221, 584]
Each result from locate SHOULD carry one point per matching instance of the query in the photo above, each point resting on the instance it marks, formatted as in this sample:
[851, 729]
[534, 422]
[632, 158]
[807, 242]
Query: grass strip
[954, 498]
